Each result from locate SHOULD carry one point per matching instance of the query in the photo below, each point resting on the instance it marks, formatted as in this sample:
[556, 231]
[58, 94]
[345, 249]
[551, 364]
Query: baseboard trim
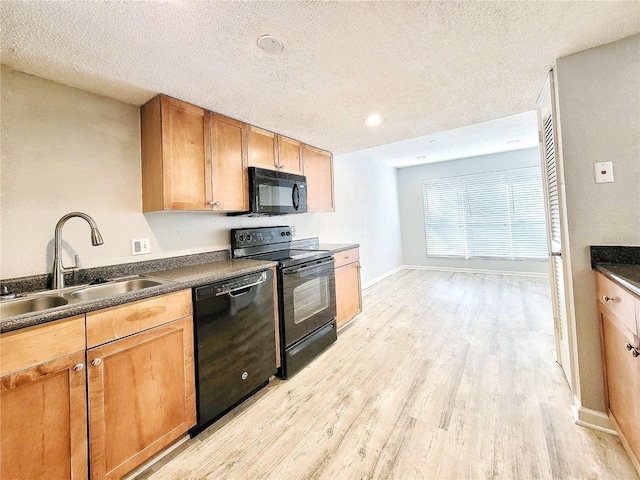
[593, 419]
[156, 458]
[371, 283]
[478, 270]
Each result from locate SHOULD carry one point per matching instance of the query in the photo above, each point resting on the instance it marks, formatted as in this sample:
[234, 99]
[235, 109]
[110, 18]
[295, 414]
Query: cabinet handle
[211, 204]
[347, 257]
[628, 346]
[78, 367]
[96, 362]
[608, 299]
[635, 352]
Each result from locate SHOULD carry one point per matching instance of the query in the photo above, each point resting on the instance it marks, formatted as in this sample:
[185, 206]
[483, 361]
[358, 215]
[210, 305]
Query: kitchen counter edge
[176, 279]
[338, 247]
[625, 275]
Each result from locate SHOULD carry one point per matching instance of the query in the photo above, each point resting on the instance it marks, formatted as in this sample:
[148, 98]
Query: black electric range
[306, 292]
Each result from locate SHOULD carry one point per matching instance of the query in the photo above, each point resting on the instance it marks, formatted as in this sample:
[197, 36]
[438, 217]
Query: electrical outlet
[603, 172]
[140, 246]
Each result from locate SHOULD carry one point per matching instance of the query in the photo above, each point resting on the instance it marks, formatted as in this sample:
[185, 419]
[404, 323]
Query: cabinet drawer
[112, 323]
[32, 346]
[346, 256]
[617, 300]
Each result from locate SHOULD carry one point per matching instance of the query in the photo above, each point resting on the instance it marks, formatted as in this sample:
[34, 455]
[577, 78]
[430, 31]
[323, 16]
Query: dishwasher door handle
[246, 288]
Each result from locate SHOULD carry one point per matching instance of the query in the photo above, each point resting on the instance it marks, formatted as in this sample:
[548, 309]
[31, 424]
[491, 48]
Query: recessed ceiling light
[373, 120]
[421, 157]
[270, 44]
[513, 142]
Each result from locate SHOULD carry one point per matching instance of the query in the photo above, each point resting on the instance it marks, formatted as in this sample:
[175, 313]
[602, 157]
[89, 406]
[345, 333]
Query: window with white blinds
[488, 215]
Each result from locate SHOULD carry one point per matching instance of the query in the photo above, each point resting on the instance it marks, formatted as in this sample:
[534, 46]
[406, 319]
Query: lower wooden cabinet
[141, 387]
[348, 290]
[621, 349]
[43, 410]
[141, 396]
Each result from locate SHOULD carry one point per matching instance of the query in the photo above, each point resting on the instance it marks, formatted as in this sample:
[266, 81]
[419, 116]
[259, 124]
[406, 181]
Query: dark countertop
[619, 263]
[627, 275]
[337, 247]
[177, 279]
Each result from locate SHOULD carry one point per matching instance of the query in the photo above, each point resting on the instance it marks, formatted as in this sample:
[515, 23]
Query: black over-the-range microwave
[276, 193]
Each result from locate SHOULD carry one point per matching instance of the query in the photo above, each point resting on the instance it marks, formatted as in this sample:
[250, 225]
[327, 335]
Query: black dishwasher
[234, 323]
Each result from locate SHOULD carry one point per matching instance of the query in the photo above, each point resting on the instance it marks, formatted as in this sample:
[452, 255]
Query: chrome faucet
[57, 276]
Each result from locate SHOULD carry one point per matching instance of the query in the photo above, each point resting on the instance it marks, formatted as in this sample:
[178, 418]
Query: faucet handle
[75, 263]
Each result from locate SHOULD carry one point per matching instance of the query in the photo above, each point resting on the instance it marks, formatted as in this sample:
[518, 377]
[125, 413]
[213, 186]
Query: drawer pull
[78, 367]
[628, 346]
[635, 352]
[608, 299]
[96, 362]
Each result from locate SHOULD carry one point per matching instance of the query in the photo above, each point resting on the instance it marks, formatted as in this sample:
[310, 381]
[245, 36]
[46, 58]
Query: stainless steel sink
[29, 305]
[96, 292]
[42, 301]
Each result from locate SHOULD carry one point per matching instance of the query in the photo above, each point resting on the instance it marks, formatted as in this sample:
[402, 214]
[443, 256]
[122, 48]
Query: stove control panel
[254, 237]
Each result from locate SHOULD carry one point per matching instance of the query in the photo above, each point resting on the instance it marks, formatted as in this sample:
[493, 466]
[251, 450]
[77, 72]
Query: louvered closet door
[548, 146]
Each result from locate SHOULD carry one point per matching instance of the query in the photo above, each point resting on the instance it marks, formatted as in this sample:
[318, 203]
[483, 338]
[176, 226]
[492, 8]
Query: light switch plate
[140, 246]
[603, 172]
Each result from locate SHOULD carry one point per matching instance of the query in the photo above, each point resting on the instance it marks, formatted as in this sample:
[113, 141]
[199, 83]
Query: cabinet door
[289, 155]
[229, 164]
[263, 148]
[186, 163]
[141, 396]
[43, 420]
[318, 168]
[348, 294]
[623, 379]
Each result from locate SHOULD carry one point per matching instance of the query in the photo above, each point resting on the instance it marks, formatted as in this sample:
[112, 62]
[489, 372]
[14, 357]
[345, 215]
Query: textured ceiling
[483, 138]
[426, 67]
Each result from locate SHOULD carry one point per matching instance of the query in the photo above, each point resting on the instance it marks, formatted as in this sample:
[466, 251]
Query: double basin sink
[55, 298]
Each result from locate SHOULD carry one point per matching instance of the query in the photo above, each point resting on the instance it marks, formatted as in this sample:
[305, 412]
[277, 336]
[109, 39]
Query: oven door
[276, 193]
[308, 299]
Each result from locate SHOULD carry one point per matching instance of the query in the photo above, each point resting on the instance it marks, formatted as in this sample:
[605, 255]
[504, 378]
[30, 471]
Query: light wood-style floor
[443, 376]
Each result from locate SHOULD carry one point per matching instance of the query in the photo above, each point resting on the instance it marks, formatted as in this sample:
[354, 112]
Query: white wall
[599, 113]
[412, 208]
[65, 149]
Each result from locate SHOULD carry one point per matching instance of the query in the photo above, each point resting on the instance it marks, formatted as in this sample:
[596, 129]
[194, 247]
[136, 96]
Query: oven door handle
[321, 266]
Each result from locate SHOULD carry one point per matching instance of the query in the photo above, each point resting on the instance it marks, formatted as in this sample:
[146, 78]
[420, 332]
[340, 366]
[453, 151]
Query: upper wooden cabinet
[318, 168]
[289, 155]
[263, 148]
[230, 184]
[175, 156]
[43, 402]
[274, 152]
[191, 159]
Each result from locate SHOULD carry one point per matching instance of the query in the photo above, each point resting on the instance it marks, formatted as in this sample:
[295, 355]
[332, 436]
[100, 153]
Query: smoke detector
[270, 44]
